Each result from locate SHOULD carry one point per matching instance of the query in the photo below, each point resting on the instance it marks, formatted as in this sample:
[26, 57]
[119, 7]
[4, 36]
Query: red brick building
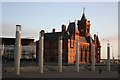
[76, 31]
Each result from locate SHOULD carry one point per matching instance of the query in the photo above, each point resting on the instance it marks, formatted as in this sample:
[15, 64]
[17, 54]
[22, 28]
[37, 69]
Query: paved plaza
[30, 70]
[64, 74]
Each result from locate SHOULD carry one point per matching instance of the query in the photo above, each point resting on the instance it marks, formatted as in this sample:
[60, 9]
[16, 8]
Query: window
[71, 51]
[70, 57]
[81, 55]
[87, 30]
[98, 51]
[72, 43]
[87, 48]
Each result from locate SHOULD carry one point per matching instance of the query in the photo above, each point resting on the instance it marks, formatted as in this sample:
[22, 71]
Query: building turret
[53, 30]
[95, 38]
[84, 26]
[63, 28]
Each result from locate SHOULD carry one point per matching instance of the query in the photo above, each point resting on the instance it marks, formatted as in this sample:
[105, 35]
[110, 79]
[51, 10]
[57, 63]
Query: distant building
[76, 31]
[28, 48]
[111, 61]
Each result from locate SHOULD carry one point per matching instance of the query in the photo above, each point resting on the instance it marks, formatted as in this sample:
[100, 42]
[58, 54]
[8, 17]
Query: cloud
[30, 32]
[113, 40]
[60, 1]
[8, 30]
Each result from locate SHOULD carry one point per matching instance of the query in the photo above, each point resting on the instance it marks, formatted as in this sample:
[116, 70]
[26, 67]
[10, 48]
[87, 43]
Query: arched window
[85, 56]
[87, 30]
[81, 55]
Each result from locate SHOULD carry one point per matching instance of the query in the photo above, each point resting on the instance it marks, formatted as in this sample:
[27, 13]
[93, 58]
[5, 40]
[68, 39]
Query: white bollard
[77, 56]
[2, 50]
[93, 56]
[17, 52]
[41, 50]
[60, 54]
[108, 57]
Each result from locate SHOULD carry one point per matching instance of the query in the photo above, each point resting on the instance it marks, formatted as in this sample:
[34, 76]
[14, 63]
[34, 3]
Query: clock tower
[84, 26]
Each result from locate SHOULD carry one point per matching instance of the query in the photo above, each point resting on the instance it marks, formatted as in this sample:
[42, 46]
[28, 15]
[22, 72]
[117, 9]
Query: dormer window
[82, 30]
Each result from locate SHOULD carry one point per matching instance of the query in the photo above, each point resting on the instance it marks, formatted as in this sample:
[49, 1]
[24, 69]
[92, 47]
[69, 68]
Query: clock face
[68, 33]
[82, 30]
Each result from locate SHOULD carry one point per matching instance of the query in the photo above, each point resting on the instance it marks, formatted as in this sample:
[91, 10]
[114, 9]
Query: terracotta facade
[78, 31]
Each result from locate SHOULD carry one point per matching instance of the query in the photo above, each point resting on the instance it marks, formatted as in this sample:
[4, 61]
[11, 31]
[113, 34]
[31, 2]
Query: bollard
[17, 52]
[77, 56]
[60, 54]
[2, 50]
[41, 50]
[108, 57]
[93, 56]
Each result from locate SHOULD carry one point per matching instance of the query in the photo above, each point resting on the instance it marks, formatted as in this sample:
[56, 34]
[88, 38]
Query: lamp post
[108, 55]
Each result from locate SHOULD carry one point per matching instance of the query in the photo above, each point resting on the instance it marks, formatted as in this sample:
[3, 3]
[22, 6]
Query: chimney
[53, 30]
[42, 32]
[88, 21]
[63, 28]
[95, 38]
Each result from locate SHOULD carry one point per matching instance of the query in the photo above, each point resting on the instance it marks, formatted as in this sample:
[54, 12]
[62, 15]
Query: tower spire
[83, 15]
[83, 10]
[97, 33]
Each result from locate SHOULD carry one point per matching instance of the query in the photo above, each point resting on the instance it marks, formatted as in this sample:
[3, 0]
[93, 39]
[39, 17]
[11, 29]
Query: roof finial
[75, 20]
[69, 21]
[83, 15]
[83, 10]
[97, 33]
